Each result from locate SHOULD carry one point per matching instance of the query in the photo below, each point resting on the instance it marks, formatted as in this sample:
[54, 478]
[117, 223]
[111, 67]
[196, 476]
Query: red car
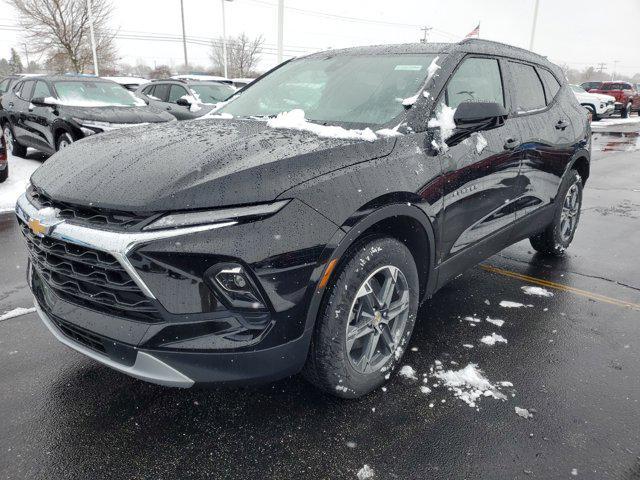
[4, 163]
[625, 93]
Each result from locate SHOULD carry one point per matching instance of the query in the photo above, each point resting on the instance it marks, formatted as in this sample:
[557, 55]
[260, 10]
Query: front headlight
[207, 217]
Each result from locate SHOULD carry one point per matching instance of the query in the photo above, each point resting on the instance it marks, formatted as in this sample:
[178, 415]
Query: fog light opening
[235, 287]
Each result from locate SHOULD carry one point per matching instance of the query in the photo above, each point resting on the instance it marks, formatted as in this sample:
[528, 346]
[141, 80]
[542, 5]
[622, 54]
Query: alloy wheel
[570, 212]
[378, 319]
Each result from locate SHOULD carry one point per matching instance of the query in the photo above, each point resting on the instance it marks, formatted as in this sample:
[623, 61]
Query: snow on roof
[195, 76]
[128, 80]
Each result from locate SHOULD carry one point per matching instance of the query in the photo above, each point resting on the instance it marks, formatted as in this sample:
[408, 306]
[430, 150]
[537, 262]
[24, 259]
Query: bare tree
[59, 29]
[161, 71]
[243, 55]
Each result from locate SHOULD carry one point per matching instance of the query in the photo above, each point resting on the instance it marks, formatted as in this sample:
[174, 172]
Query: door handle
[561, 125]
[510, 144]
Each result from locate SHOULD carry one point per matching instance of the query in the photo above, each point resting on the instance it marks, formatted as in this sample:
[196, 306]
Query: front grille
[79, 334]
[87, 277]
[96, 217]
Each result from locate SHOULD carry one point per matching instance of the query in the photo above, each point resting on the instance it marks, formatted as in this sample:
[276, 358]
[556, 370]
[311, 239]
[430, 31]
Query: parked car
[627, 98]
[9, 81]
[591, 85]
[203, 78]
[51, 112]
[268, 240]
[600, 106]
[242, 82]
[130, 83]
[185, 99]
[4, 161]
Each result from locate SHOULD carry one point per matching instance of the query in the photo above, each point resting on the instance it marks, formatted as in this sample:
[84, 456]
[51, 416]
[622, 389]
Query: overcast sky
[577, 32]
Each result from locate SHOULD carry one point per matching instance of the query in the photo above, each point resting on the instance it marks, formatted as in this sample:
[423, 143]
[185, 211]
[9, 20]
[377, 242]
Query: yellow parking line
[559, 286]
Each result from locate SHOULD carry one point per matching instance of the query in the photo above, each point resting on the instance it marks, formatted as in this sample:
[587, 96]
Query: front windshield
[358, 89]
[213, 93]
[90, 93]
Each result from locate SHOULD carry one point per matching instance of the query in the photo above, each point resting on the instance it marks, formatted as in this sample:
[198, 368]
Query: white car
[598, 104]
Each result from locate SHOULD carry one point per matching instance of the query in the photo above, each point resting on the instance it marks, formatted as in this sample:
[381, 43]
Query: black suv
[50, 112]
[185, 99]
[253, 245]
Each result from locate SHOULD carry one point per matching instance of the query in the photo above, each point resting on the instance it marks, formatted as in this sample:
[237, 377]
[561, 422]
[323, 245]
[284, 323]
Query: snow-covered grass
[20, 170]
[16, 312]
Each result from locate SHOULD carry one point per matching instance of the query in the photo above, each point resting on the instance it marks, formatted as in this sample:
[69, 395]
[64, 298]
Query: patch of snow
[366, 472]
[20, 170]
[541, 292]
[505, 384]
[342, 388]
[523, 412]
[510, 304]
[295, 120]
[472, 319]
[407, 102]
[574, 472]
[444, 121]
[469, 384]
[194, 101]
[493, 339]
[481, 143]
[352, 444]
[496, 321]
[16, 312]
[407, 371]
[432, 69]
[424, 389]
[467, 345]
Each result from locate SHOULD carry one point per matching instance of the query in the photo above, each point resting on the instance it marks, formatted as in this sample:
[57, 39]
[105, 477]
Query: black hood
[194, 164]
[142, 114]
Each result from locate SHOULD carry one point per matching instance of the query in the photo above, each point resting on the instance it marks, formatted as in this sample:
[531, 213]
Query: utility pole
[533, 27]
[615, 68]
[601, 66]
[184, 34]
[26, 54]
[224, 39]
[425, 30]
[93, 40]
[280, 27]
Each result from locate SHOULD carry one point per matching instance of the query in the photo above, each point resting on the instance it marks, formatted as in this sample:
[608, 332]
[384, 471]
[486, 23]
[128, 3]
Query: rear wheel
[12, 144]
[366, 320]
[626, 111]
[4, 174]
[594, 115]
[64, 140]
[555, 239]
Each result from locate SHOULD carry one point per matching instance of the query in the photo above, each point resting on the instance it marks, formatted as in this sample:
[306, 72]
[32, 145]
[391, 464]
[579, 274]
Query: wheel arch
[582, 165]
[387, 216]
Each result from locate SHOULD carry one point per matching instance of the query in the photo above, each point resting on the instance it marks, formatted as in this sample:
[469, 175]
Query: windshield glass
[213, 93]
[578, 89]
[95, 94]
[361, 89]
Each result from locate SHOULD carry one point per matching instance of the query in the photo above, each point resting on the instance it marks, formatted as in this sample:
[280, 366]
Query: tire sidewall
[570, 179]
[332, 323]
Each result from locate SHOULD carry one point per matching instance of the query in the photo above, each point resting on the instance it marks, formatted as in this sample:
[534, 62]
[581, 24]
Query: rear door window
[529, 93]
[551, 84]
[161, 92]
[42, 90]
[476, 80]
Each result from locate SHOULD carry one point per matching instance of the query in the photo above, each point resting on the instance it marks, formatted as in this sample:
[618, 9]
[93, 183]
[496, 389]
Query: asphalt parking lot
[572, 360]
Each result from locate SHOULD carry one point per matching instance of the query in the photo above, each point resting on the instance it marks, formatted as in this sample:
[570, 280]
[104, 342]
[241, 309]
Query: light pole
[224, 38]
[280, 27]
[615, 67]
[93, 40]
[184, 35]
[535, 21]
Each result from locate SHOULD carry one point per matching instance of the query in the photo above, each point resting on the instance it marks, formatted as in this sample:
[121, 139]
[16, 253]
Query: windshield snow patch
[295, 120]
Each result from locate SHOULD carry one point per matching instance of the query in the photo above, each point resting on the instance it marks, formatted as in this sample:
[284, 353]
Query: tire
[626, 111]
[594, 115]
[63, 141]
[348, 372]
[557, 237]
[4, 174]
[13, 146]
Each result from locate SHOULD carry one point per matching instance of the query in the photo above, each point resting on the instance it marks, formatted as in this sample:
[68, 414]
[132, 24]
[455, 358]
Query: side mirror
[183, 102]
[477, 116]
[43, 102]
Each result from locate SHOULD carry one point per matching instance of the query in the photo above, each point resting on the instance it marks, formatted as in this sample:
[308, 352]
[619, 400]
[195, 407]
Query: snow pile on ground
[295, 120]
[472, 319]
[493, 339]
[366, 473]
[408, 371]
[510, 304]
[495, 321]
[541, 292]
[468, 384]
[444, 121]
[606, 122]
[16, 312]
[20, 171]
[523, 412]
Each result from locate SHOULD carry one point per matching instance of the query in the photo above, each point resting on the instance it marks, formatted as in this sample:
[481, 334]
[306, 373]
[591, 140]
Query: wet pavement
[573, 360]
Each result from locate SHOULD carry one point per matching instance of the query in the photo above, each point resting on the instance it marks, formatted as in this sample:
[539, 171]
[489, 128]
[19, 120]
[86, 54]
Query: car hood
[195, 164]
[141, 114]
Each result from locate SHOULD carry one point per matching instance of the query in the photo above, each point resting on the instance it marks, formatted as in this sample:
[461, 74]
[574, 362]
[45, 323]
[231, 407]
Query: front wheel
[555, 239]
[366, 319]
[12, 144]
[64, 140]
[626, 111]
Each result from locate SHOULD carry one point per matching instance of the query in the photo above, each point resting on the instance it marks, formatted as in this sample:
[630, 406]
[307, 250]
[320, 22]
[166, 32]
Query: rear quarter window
[551, 84]
[529, 93]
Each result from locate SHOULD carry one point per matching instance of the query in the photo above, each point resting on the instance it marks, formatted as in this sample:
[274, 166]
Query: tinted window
[529, 94]
[148, 90]
[42, 90]
[90, 93]
[477, 79]
[176, 92]
[551, 84]
[25, 89]
[4, 85]
[161, 92]
[616, 86]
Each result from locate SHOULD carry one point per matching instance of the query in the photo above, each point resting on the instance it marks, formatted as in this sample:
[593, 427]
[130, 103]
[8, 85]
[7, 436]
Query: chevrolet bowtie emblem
[44, 221]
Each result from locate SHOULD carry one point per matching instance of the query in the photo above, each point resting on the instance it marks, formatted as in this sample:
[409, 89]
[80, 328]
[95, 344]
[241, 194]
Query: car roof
[69, 78]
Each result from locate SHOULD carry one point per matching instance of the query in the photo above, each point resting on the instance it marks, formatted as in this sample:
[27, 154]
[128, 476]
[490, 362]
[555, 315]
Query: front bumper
[188, 337]
[607, 111]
